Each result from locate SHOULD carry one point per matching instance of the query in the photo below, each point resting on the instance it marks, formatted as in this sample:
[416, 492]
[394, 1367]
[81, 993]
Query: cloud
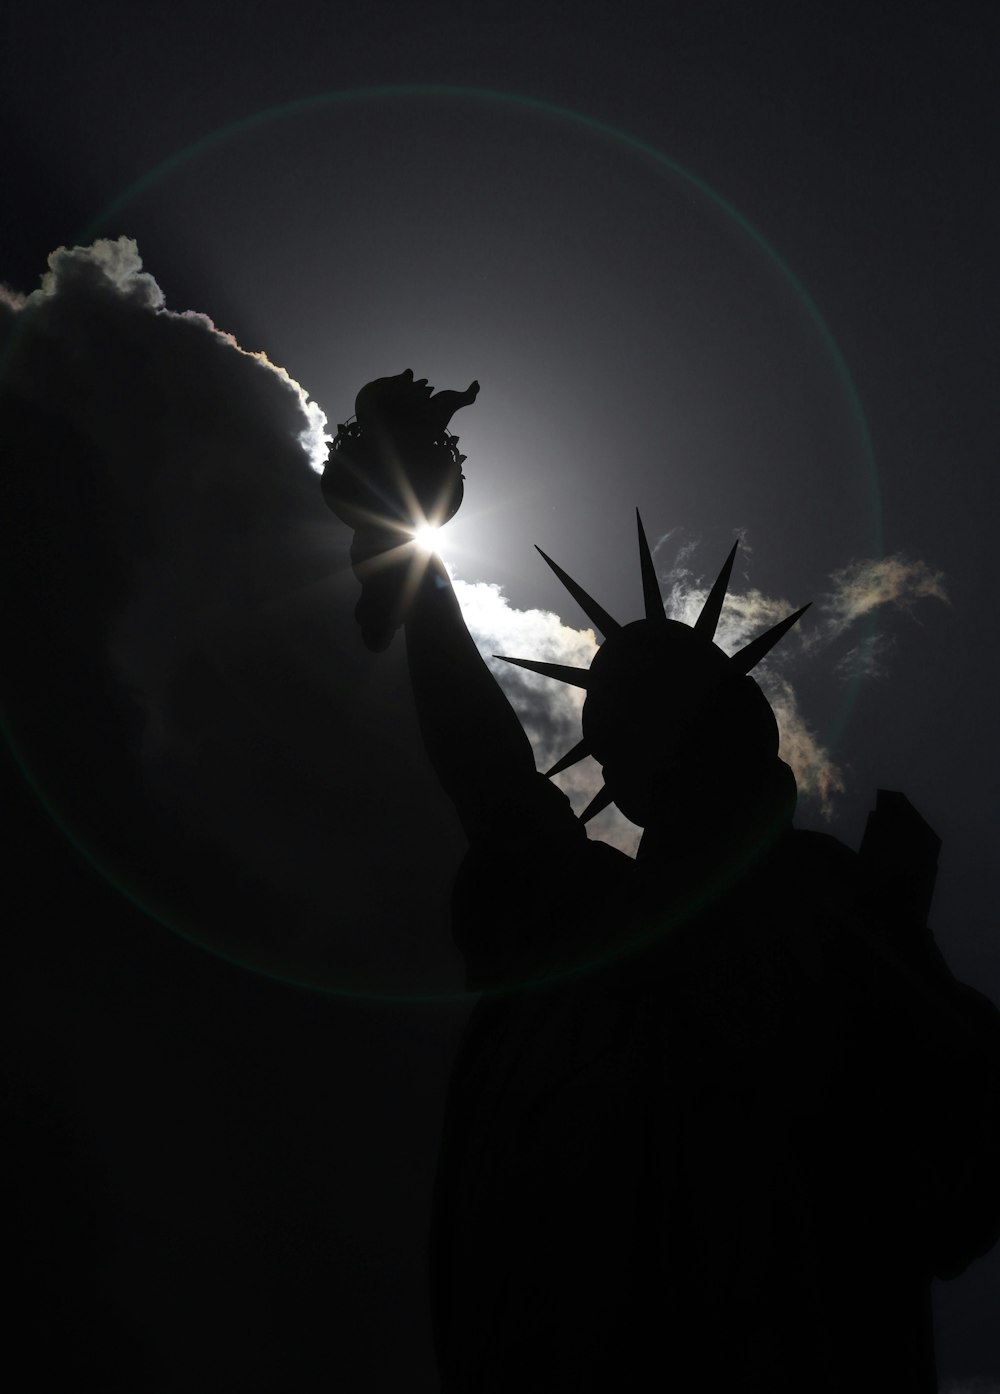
[10, 300]
[816, 774]
[171, 520]
[856, 592]
[977, 1384]
[550, 711]
[744, 614]
[97, 340]
[864, 586]
[201, 447]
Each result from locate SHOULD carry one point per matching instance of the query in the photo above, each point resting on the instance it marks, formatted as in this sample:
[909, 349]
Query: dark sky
[732, 264]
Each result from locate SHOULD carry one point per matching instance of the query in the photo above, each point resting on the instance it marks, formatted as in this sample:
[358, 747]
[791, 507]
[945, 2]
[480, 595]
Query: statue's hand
[391, 472]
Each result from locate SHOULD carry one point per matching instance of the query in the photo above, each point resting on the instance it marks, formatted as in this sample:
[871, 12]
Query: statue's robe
[731, 1157]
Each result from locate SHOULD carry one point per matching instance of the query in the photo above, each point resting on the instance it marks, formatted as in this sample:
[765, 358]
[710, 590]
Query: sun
[426, 537]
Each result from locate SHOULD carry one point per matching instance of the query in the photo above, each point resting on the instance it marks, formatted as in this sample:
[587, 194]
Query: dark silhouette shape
[721, 1112]
[392, 470]
[659, 690]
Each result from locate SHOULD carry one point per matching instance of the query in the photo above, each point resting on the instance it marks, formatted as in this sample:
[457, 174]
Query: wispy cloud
[856, 592]
[867, 585]
[744, 615]
[816, 774]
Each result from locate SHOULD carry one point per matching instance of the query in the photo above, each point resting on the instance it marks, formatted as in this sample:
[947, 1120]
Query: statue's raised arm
[392, 471]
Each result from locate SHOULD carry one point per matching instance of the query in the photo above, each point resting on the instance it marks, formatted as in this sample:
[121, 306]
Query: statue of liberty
[721, 1112]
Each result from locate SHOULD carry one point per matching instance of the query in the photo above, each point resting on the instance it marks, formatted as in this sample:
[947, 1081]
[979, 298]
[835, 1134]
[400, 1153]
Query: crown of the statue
[656, 671]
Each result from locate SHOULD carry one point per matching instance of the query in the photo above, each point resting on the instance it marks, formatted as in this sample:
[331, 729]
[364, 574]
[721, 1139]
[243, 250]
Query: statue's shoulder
[822, 858]
[527, 895]
[889, 881]
[864, 916]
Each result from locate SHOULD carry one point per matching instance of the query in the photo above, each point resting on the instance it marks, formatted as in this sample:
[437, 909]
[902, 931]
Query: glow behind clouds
[636, 343]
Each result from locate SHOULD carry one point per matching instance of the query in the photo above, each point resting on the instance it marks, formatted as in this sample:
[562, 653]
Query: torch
[393, 470]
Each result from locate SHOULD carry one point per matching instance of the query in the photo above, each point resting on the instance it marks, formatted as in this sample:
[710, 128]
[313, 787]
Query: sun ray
[427, 536]
[419, 562]
[406, 492]
[597, 615]
[708, 621]
[578, 677]
[391, 556]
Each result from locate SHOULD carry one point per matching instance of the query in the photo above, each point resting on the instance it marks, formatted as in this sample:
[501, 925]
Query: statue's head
[680, 729]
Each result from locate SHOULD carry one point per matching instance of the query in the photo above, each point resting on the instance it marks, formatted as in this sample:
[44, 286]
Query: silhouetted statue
[721, 1112]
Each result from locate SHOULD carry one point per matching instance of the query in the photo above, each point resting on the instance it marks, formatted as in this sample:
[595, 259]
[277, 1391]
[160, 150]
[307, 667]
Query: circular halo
[585, 123]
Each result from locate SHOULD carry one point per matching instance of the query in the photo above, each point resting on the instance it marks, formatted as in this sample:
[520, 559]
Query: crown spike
[579, 677]
[597, 804]
[597, 615]
[708, 621]
[750, 656]
[652, 599]
[570, 758]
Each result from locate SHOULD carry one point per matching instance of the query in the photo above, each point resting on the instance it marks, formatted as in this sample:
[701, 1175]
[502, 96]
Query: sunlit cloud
[816, 774]
[744, 614]
[204, 455]
[864, 586]
[550, 711]
[11, 299]
[96, 338]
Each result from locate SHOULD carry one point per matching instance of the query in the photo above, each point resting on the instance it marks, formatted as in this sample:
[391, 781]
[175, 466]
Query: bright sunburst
[426, 537]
